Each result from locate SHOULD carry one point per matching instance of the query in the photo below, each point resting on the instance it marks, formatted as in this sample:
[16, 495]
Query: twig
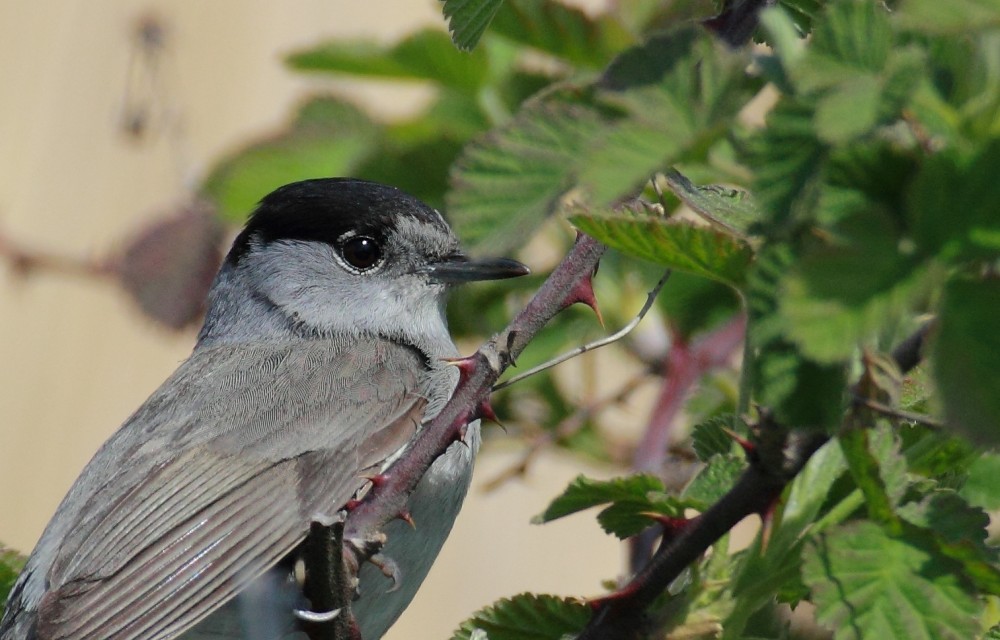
[901, 414]
[470, 400]
[780, 455]
[590, 346]
[566, 428]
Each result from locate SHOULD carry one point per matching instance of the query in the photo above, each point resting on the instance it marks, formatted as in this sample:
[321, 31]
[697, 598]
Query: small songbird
[322, 354]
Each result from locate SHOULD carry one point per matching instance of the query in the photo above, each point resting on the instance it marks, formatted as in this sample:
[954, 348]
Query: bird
[324, 350]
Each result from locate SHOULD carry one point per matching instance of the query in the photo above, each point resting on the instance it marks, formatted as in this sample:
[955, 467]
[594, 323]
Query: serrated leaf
[583, 493]
[981, 487]
[801, 392]
[468, 19]
[867, 474]
[505, 184]
[562, 31]
[711, 437]
[526, 617]
[680, 245]
[866, 584]
[424, 55]
[734, 209]
[966, 358]
[676, 109]
[715, 479]
[636, 500]
[327, 138]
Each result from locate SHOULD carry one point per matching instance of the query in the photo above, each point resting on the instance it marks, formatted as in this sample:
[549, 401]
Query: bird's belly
[434, 506]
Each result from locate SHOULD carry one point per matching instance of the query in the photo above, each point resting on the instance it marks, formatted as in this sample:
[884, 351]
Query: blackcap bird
[321, 355]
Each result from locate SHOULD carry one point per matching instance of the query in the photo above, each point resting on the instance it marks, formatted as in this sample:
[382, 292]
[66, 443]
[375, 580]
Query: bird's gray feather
[215, 478]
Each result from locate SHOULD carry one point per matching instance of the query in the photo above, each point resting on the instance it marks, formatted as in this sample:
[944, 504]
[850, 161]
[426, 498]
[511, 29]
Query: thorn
[389, 569]
[377, 479]
[583, 293]
[406, 517]
[671, 525]
[465, 365]
[462, 432]
[749, 448]
[767, 524]
[485, 412]
[351, 504]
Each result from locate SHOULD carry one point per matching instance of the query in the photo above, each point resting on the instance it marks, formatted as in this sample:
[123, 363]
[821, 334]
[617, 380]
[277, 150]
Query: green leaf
[868, 474]
[953, 204]
[711, 437]
[681, 245]
[327, 138]
[981, 487]
[562, 31]
[958, 17]
[675, 109]
[788, 161]
[506, 183]
[527, 617]
[802, 392]
[636, 500]
[849, 286]
[966, 358]
[714, 480]
[734, 209]
[468, 19]
[850, 110]
[11, 564]
[424, 55]
[866, 584]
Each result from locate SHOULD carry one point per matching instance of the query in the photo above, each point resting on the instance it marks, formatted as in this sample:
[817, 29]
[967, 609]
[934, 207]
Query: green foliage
[526, 616]
[677, 244]
[867, 584]
[11, 564]
[468, 19]
[968, 348]
[636, 502]
[864, 206]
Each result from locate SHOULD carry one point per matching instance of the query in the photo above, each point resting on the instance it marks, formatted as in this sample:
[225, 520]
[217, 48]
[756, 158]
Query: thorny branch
[569, 283]
[780, 454]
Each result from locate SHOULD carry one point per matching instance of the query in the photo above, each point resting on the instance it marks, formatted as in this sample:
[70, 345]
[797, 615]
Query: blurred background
[111, 115]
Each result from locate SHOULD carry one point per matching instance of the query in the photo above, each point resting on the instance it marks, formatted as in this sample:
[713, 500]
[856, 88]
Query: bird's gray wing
[216, 478]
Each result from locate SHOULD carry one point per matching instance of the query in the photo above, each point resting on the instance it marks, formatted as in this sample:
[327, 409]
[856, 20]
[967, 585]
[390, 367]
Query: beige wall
[75, 356]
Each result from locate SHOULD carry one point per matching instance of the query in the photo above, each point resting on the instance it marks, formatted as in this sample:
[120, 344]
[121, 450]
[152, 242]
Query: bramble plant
[852, 236]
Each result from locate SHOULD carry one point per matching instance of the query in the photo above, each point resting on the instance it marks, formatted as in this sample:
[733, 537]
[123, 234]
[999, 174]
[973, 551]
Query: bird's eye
[361, 252]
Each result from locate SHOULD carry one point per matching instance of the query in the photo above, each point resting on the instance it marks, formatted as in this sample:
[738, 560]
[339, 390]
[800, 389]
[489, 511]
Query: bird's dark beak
[459, 269]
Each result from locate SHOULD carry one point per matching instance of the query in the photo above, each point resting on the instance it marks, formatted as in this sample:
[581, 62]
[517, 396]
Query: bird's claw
[316, 616]
[389, 569]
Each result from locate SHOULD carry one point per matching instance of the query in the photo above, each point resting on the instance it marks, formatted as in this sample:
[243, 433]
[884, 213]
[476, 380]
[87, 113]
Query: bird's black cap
[324, 209]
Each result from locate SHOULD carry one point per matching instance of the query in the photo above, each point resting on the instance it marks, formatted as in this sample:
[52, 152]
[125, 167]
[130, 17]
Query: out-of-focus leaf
[966, 358]
[981, 487]
[954, 205]
[538, 617]
[468, 19]
[693, 304]
[866, 584]
[562, 31]
[424, 55]
[802, 392]
[716, 478]
[870, 473]
[681, 105]
[168, 266]
[958, 17]
[846, 288]
[680, 245]
[505, 184]
[327, 138]
[11, 564]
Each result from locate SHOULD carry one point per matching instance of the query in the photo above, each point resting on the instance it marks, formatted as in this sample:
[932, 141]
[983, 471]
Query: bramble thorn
[749, 448]
[406, 517]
